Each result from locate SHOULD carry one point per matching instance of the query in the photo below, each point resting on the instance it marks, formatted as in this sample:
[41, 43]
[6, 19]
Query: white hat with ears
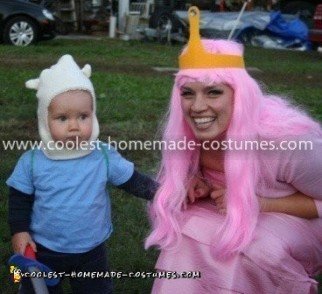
[63, 76]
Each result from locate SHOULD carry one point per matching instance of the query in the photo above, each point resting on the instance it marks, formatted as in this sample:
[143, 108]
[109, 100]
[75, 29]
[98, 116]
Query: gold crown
[196, 57]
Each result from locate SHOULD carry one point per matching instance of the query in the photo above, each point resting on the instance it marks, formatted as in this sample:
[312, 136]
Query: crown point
[196, 57]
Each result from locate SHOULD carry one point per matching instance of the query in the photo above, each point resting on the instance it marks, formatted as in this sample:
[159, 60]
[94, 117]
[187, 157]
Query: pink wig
[255, 115]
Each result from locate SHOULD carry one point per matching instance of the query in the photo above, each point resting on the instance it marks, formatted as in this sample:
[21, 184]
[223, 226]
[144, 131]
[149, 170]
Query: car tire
[20, 31]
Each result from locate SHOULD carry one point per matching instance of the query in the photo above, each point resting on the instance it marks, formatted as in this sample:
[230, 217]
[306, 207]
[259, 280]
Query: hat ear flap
[32, 84]
[87, 70]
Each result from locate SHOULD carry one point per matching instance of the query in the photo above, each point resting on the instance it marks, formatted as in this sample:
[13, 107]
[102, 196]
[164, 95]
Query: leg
[92, 261]
[27, 288]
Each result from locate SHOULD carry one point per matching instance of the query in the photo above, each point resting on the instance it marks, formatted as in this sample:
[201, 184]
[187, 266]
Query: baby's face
[70, 116]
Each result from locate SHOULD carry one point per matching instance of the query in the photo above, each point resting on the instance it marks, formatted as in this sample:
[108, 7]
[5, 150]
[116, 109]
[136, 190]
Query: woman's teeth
[203, 120]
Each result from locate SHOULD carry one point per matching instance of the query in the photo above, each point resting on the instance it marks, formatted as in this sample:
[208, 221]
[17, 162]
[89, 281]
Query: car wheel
[20, 31]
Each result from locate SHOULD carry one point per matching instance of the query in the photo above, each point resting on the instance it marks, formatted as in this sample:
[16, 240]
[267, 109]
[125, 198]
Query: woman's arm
[297, 204]
[302, 168]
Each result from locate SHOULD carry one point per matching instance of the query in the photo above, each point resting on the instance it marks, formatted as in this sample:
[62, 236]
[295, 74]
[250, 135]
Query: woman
[261, 232]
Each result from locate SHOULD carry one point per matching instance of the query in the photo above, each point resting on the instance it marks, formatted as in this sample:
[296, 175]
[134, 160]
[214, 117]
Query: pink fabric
[288, 172]
[318, 204]
[285, 254]
[283, 257]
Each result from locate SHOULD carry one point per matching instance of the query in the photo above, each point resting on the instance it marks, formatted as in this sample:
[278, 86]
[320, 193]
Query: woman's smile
[203, 122]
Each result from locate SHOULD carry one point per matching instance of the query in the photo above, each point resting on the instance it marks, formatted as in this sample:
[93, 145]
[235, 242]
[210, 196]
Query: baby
[58, 201]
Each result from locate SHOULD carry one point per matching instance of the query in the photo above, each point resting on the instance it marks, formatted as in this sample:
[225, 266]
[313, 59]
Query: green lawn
[132, 99]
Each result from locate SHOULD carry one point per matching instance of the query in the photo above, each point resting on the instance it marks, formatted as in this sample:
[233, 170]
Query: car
[162, 16]
[23, 23]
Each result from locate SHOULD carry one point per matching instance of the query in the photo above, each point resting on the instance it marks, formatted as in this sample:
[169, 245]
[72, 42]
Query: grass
[132, 99]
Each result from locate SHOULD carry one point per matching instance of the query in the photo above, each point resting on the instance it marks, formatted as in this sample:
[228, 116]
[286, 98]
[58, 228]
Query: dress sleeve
[303, 170]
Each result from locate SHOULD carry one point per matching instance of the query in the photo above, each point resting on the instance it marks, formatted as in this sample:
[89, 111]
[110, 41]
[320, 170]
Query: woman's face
[207, 109]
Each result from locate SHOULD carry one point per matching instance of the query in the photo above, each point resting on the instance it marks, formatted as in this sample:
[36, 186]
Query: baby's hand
[20, 242]
[198, 189]
[219, 197]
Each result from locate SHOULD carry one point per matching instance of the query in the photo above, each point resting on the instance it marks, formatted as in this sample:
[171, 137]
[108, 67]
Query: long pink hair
[255, 115]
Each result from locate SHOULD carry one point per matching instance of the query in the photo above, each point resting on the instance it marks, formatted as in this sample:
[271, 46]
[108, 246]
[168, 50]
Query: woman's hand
[198, 189]
[297, 204]
[219, 198]
[20, 242]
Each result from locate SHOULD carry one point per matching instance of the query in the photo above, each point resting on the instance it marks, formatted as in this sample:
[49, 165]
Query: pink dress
[286, 251]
